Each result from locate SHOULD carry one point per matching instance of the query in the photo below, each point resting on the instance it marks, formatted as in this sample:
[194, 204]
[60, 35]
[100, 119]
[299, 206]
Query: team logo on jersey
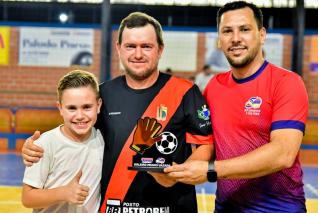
[162, 112]
[253, 105]
[204, 114]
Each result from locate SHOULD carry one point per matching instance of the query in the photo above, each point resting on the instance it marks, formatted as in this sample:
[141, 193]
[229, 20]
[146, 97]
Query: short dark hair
[138, 19]
[258, 15]
[76, 79]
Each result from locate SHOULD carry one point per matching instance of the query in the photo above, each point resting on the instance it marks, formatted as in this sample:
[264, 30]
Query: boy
[67, 178]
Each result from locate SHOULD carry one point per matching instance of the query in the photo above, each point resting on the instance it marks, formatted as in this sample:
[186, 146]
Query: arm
[278, 154]
[289, 104]
[31, 153]
[73, 192]
[40, 198]
[202, 152]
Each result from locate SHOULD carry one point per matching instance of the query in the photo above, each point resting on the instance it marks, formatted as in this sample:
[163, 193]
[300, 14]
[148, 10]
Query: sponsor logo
[160, 160]
[146, 160]
[162, 112]
[253, 105]
[204, 113]
[114, 113]
[113, 206]
[129, 207]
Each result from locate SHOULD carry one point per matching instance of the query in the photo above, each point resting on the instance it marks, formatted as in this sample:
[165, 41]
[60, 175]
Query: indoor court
[11, 173]
[42, 40]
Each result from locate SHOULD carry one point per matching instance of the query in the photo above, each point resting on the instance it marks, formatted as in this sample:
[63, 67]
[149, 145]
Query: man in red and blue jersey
[258, 114]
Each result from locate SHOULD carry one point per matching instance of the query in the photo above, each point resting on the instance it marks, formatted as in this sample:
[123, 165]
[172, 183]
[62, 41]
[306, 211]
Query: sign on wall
[272, 49]
[57, 47]
[4, 45]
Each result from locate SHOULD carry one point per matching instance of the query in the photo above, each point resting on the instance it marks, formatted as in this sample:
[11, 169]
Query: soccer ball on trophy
[168, 143]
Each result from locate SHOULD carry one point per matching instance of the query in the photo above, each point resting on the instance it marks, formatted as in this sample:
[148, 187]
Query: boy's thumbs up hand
[75, 192]
[78, 176]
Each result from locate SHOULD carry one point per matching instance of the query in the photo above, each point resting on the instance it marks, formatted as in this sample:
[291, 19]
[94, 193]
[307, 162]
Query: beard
[244, 61]
[139, 76]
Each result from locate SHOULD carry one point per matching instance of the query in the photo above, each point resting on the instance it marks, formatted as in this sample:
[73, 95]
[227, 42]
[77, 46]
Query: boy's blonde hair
[76, 79]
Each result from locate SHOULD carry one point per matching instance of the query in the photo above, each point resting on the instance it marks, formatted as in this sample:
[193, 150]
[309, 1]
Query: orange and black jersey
[190, 123]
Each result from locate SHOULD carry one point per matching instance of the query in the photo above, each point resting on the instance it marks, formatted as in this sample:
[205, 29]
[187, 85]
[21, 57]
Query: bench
[17, 125]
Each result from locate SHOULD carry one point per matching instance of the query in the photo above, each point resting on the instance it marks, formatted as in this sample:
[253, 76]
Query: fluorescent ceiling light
[63, 17]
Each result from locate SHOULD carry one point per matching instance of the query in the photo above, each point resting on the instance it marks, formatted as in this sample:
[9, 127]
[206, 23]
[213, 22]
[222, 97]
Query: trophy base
[152, 161]
[147, 169]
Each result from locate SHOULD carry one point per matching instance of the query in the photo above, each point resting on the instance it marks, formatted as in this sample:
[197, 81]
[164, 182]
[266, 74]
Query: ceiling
[260, 3]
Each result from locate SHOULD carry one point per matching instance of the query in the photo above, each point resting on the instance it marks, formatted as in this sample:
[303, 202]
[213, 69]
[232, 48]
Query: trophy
[153, 150]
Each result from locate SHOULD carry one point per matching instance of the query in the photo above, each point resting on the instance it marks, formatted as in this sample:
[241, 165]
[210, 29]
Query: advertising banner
[55, 47]
[4, 45]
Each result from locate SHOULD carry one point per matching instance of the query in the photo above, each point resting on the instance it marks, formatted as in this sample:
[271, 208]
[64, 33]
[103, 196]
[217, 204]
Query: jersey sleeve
[290, 104]
[36, 175]
[199, 130]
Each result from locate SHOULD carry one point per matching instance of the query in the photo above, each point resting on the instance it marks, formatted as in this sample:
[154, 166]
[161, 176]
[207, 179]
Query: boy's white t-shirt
[61, 161]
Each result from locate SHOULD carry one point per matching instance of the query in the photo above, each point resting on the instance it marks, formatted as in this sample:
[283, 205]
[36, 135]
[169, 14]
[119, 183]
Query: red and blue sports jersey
[243, 114]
